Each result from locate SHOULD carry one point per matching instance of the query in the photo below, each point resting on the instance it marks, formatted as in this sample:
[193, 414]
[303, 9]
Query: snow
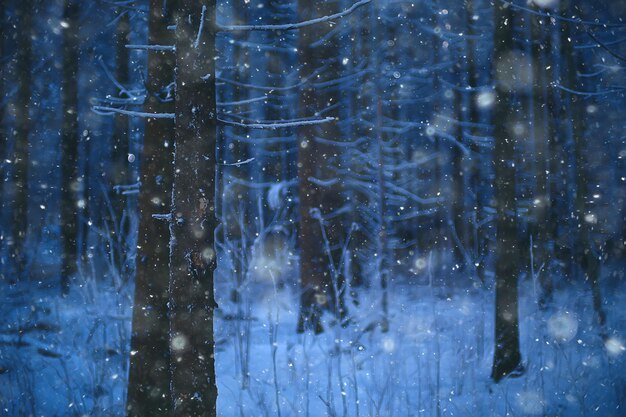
[75, 359]
[436, 356]
[434, 360]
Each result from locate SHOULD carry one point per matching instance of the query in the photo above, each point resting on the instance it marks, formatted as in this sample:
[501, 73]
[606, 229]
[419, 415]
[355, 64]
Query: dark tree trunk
[118, 173]
[543, 125]
[361, 242]
[586, 250]
[322, 284]
[119, 154]
[312, 263]
[149, 391]
[71, 184]
[4, 140]
[477, 180]
[192, 252]
[19, 192]
[507, 356]
[458, 179]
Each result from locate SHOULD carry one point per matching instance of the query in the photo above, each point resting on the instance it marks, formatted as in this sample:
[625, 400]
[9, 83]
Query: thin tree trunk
[383, 251]
[586, 252]
[71, 184]
[119, 157]
[507, 356]
[542, 106]
[22, 129]
[119, 171]
[149, 391]
[4, 140]
[477, 180]
[360, 243]
[458, 179]
[118, 168]
[193, 223]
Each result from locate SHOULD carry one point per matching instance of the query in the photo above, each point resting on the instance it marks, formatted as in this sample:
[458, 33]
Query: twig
[290, 26]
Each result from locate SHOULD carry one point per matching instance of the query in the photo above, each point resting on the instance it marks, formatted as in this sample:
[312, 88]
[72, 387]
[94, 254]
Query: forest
[336, 208]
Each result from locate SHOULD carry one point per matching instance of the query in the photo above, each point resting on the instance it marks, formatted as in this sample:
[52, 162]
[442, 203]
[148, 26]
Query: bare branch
[158, 48]
[606, 48]
[290, 26]
[110, 110]
[278, 125]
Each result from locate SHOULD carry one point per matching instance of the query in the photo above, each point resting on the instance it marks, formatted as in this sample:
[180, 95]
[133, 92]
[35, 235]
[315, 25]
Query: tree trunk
[322, 284]
[193, 223]
[119, 154]
[586, 251]
[458, 178]
[118, 172]
[71, 184]
[480, 243]
[4, 140]
[507, 357]
[149, 391]
[19, 192]
[543, 110]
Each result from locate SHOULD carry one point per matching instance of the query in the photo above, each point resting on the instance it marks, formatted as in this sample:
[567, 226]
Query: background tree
[18, 194]
[321, 193]
[72, 184]
[507, 357]
[148, 386]
[193, 220]
[4, 140]
[588, 244]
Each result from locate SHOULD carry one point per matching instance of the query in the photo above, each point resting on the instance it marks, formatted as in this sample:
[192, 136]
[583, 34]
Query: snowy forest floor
[69, 356]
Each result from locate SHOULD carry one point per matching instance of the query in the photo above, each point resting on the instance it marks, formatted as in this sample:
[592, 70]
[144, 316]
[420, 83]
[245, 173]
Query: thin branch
[563, 18]
[290, 26]
[585, 93]
[110, 110]
[159, 48]
[197, 42]
[323, 183]
[275, 88]
[606, 48]
[278, 125]
[246, 101]
[239, 163]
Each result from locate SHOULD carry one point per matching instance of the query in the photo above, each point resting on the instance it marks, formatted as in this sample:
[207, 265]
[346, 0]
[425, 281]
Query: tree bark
[193, 223]
[149, 392]
[478, 181]
[19, 192]
[71, 183]
[322, 285]
[4, 140]
[586, 250]
[507, 356]
[119, 154]
[544, 130]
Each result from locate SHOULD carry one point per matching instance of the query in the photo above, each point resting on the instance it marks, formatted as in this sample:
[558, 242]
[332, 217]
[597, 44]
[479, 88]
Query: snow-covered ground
[69, 356]
[434, 361]
[63, 356]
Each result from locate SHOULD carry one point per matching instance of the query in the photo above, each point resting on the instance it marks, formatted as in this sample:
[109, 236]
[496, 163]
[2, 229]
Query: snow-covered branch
[290, 26]
[586, 93]
[102, 110]
[246, 101]
[238, 163]
[323, 183]
[158, 48]
[278, 125]
[200, 28]
[556, 16]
